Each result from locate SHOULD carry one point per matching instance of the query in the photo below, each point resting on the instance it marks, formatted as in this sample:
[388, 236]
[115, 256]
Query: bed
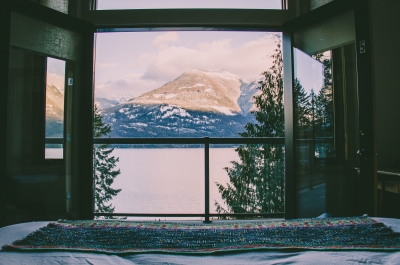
[11, 233]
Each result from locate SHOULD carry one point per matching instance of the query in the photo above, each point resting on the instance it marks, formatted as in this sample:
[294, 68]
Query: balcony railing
[206, 141]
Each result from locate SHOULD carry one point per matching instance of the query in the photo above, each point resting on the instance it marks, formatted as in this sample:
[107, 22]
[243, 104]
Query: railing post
[207, 180]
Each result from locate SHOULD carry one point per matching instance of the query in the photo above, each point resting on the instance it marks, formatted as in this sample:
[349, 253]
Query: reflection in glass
[162, 4]
[55, 78]
[326, 131]
[314, 129]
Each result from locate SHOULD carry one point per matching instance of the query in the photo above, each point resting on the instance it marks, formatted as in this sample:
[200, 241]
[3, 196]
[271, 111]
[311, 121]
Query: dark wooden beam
[225, 19]
[367, 203]
[5, 25]
[320, 14]
[51, 16]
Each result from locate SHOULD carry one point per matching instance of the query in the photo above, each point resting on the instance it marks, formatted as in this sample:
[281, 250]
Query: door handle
[361, 153]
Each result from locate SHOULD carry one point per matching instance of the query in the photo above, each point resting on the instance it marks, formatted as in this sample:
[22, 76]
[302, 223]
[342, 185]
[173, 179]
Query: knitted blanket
[119, 237]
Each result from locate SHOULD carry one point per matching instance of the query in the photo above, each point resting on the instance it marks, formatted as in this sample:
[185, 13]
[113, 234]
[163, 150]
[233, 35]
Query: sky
[55, 73]
[132, 63]
[142, 4]
[309, 71]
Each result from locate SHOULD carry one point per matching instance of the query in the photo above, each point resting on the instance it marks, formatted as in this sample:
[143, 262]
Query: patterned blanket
[119, 237]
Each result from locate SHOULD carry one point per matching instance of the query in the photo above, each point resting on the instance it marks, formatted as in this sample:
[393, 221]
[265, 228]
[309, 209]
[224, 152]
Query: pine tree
[104, 167]
[324, 112]
[303, 105]
[324, 118]
[257, 181]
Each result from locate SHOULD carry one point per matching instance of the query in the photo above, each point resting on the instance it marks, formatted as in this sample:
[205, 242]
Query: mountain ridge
[197, 103]
[197, 90]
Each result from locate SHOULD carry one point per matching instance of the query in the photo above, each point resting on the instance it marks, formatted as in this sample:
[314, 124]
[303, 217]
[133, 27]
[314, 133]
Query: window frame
[183, 20]
[293, 16]
[92, 21]
[205, 141]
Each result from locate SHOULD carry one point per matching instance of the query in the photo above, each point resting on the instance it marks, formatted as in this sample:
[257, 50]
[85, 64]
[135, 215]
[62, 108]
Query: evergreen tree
[104, 167]
[324, 119]
[257, 181]
[303, 105]
[324, 108]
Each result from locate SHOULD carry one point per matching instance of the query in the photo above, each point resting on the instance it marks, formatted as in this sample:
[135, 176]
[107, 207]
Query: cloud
[107, 65]
[132, 85]
[154, 67]
[161, 41]
[56, 80]
[246, 61]
[117, 83]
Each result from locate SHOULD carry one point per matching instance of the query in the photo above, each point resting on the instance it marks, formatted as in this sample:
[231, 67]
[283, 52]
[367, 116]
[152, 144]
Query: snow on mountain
[103, 103]
[54, 111]
[248, 91]
[138, 120]
[121, 98]
[54, 103]
[196, 104]
[198, 90]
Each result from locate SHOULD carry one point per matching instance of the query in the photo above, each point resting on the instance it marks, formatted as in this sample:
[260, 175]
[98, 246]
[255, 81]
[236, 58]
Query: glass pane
[313, 108]
[325, 93]
[55, 82]
[149, 4]
[150, 180]
[193, 84]
[180, 84]
[247, 179]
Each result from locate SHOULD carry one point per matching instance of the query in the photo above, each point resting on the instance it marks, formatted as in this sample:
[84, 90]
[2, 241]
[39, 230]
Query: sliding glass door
[326, 119]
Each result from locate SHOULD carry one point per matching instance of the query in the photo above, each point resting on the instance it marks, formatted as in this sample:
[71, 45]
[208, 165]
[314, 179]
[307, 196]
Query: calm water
[168, 180]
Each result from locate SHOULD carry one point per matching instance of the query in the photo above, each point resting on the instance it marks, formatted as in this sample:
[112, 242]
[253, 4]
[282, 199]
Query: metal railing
[54, 141]
[206, 141]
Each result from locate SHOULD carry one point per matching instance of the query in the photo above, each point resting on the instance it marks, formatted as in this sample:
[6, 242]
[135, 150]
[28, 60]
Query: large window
[180, 108]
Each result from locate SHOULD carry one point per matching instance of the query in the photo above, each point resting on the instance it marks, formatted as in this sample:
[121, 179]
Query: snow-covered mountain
[196, 104]
[247, 92]
[54, 103]
[54, 111]
[104, 103]
[209, 91]
[136, 120]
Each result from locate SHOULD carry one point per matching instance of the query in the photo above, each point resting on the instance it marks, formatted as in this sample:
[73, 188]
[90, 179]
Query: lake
[169, 180]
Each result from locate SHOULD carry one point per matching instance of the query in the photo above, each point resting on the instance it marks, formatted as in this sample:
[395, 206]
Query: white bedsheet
[13, 232]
